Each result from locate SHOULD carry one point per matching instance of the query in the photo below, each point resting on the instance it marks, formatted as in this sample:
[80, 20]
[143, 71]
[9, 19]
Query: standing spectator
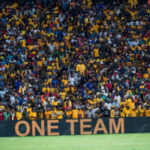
[1, 115]
[6, 115]
[19, 115]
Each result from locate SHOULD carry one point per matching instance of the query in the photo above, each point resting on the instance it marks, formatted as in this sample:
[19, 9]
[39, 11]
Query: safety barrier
[74, 126]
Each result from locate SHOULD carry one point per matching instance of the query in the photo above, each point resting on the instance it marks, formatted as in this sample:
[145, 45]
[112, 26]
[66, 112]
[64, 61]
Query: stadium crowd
[74, 59]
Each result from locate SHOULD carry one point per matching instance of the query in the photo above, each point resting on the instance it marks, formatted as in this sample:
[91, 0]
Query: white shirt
[89, 114]
[51, 47]
[108, 105]
[2, 94]
[71, 81]
[118, 98]
[12, 99]
[13, 116]
[92, 113]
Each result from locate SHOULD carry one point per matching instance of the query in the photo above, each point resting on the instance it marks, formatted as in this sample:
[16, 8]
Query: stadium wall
[74, 126]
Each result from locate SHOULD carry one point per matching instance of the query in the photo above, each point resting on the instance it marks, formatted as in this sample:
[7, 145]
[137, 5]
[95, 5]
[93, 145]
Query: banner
[74, 126]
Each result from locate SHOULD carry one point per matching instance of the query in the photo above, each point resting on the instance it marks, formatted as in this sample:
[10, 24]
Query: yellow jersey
[32, 115]
[41, 115]
[75, 113]
[147, 112]
[54, 114]
[112, 113]
[81, 113]
[19, 115]
[69, 113]
[141, 112]
[127, 113]
[133, 113]
[47, 114]
[29, 109]
[60, 114]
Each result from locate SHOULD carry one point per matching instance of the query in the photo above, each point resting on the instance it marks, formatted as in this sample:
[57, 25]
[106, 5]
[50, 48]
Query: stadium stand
[74, 59]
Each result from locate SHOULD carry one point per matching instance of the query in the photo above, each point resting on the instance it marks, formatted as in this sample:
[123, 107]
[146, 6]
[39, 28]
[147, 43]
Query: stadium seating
[74, 59]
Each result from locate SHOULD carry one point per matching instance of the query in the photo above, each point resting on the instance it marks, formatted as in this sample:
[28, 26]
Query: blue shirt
[90, 85]
[18, 84]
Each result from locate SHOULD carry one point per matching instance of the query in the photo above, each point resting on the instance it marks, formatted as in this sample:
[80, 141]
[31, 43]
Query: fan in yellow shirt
[148, 70]
[54, 103]
[134, 112]
[46, 89]
[67, 104]
[29, 109]
[23, 42]
[146, 76]
[122, 109]
[127, 111]
[147, 111]
[41, 115]
[133, 3]
[112, 112]
[33, 115]
[48, 113]
[63, 95]
[141, 111]
[64, 81]
[19, 115]
[80, 68]
[75, 113]
[2, 107]
[68, 113]
[91, 101]
[96, 52]
[82, 113]
[54, 113]
[131, 104]
[60, 114]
